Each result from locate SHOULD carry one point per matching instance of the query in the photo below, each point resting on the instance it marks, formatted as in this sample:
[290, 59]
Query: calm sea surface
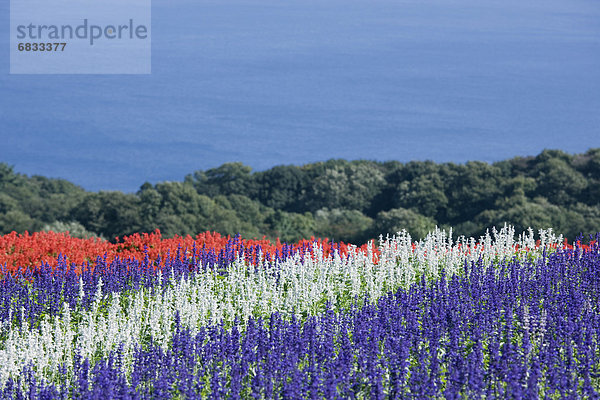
[270, 82]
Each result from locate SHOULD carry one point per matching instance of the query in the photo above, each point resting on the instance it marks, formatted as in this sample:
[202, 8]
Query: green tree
[474, 188]
[18, 221]
[229, 178]
[344, 185]
[350, 226]
[424, 194]
[252, 215]
[182, 210]
[110, 214]
[8, 177]
[535, 214]
[291, 227]
[283, 187]
[557, 180]
[74, 228]
[150, 206]
[397, 219]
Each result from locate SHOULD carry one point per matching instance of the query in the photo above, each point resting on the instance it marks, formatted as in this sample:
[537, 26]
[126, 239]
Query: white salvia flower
[81, 290]
[113, 331]
[98, 296]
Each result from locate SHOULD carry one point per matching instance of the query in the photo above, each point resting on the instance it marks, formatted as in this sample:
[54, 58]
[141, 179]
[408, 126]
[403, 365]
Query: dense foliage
[348, 201]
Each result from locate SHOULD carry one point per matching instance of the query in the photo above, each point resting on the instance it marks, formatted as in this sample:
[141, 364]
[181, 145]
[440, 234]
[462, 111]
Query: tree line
[351, 201]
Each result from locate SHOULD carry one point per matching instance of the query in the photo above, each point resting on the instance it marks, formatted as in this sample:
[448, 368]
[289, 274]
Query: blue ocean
[270, 82]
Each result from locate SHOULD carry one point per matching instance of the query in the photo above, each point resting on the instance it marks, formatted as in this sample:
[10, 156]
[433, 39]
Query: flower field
[504, 316]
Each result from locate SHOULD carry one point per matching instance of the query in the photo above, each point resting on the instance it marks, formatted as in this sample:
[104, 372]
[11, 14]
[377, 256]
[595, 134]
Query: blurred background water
[271, 82]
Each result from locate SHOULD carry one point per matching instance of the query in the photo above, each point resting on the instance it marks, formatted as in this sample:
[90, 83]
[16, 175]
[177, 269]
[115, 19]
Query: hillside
[352, 201]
